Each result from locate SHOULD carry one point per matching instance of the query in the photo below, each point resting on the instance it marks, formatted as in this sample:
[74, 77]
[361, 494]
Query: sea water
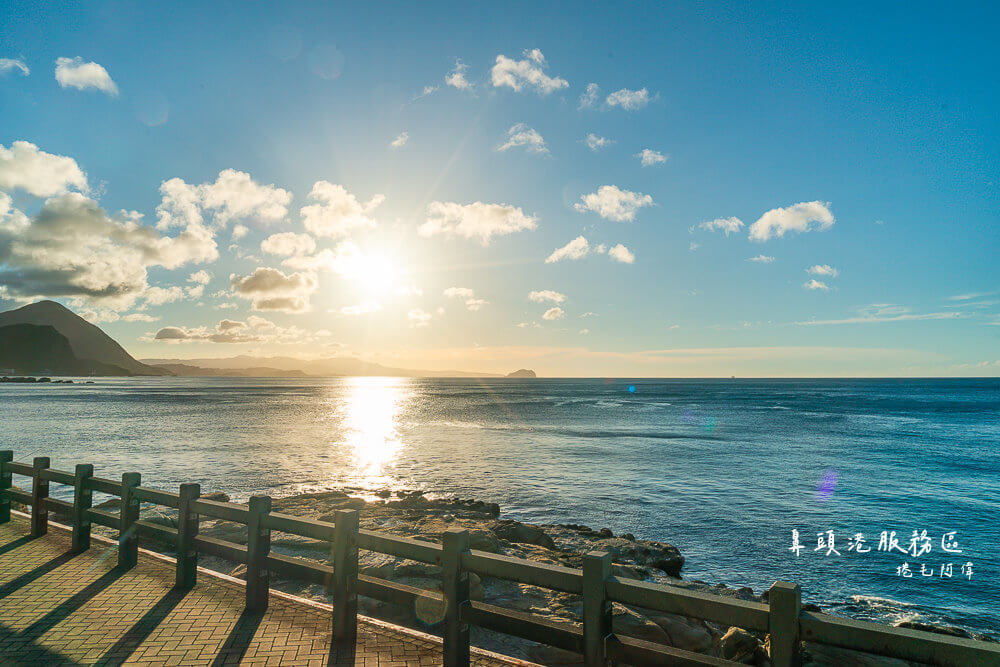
[725, 470]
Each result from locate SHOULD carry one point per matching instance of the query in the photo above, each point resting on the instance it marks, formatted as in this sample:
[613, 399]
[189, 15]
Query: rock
[629, 571]
[684, 633]
[217, 496]
[383, 493]
[515, 531]
[628, 536]
[631, 623]
[659, 555]
[820, 655]
[605, 533]
[739, 645]
[939, 629]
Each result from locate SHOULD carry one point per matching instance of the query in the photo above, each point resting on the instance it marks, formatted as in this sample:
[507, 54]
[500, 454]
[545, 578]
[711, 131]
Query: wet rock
[659, 555]
[739, 645]
[939, 629]
[515, 531]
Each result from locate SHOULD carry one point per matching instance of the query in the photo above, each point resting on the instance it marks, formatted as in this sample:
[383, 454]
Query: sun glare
[370, 420]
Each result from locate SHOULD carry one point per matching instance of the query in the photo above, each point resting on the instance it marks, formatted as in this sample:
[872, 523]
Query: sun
[372, 274]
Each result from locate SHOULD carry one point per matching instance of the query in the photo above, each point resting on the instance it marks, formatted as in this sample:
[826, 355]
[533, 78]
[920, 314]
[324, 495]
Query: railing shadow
[342, 654]
[18, 649]
[239, 639]
[14, 544]
[141, 629]
[40, 571]
[64, 609]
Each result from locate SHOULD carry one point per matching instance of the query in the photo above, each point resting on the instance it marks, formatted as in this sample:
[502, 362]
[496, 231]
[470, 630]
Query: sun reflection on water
[370, 419]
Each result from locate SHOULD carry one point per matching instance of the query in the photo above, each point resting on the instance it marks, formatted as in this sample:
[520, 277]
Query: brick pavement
[62, 609]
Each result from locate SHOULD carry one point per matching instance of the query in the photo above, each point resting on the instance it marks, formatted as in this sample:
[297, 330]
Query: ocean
[725, 470]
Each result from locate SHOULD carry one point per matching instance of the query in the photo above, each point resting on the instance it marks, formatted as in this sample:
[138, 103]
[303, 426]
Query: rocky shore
[411, 514]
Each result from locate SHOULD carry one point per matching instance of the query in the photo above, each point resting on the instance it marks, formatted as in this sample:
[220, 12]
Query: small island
[522, 373]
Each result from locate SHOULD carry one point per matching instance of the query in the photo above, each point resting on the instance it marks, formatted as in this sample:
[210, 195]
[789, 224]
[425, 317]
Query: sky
[584, 189]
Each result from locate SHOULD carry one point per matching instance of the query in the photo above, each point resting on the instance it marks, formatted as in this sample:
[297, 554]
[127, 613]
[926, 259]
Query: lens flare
[827, 485]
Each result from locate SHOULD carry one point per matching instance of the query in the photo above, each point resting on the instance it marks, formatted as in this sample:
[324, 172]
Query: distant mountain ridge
[87, 341]
[334, 366]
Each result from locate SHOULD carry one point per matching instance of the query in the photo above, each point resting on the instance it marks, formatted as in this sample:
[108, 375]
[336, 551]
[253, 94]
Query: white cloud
[727, 225]
[612, 203]
[823, 270]
[73, 248]
[419, 317]
[761, 259]
[401, 140]
[884, 312]
[584, 332]
[287, 244]
[9, 64]
[339, 212]
[476, 220]
[528, 72]
[620, 253]
[23, 166]
[233, 196]
[74, 73]
[409, 290]
[589, 98]
[693, 246]
[522, 135]
[456, 78]
[157, 296]
[554, 313]
[650, 158]
[271, 289]
[467, 295]
[200, 277]
[366, 306]
[541, 296]
[816, 285]
[578, 248]
[239, 231]
[253, 330]
[140, 317]
[802, 217]
[428, 90]
[630, 100]
[595, 142]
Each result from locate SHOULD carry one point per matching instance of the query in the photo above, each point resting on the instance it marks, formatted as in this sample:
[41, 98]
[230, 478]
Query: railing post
[187, 528]
[39, 492]
[6, 456]
[785, 603]
[83, 498]
[455, 586]
[345, 577]
[258, 546]
[128, 541]
[596, 608]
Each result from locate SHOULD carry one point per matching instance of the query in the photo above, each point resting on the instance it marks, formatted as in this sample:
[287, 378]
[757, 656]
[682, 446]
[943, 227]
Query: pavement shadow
[67, 607]
[141, 629]
[39, 572]
[239, 639]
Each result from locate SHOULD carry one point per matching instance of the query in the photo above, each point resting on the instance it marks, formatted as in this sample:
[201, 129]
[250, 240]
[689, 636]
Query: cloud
[589, 98]
[157, 296]
[339, 212]
[476, 220]
[456, 78]
[612, 203]
[419, 318]
[816, 285]
[271, 289]
[467, 295]
[554, 313]
[970, 296]
[650, 158]
[620, 253]
[823, 270]
[578, 248]
[366, 306]
[74, 73]
[24, 167]
[802, 217]
[727, 225]
[73, 248]
[528, 72]
[595, 142]
[401, 140]
[428, 90]
[884, 312]
[140, 317]
[761, 259]
[630, 100]
[200, 277]
[544, 295]
[9, 64]
[287, 244]
[233, 196]
[522, 135]
[253, 330]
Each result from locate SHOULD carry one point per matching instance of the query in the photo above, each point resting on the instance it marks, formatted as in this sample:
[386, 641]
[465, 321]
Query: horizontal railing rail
[781, 617]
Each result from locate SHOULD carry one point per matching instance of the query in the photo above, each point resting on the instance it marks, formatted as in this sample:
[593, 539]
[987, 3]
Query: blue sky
[869, 135]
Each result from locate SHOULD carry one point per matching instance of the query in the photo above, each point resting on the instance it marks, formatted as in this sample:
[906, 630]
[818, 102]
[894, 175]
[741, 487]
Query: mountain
[522, 373]
[331, 367]
[33, 349]
[87, 341]
[185, 370]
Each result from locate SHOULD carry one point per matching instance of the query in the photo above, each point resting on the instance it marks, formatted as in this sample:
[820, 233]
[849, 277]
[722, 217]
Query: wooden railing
[782, 617]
